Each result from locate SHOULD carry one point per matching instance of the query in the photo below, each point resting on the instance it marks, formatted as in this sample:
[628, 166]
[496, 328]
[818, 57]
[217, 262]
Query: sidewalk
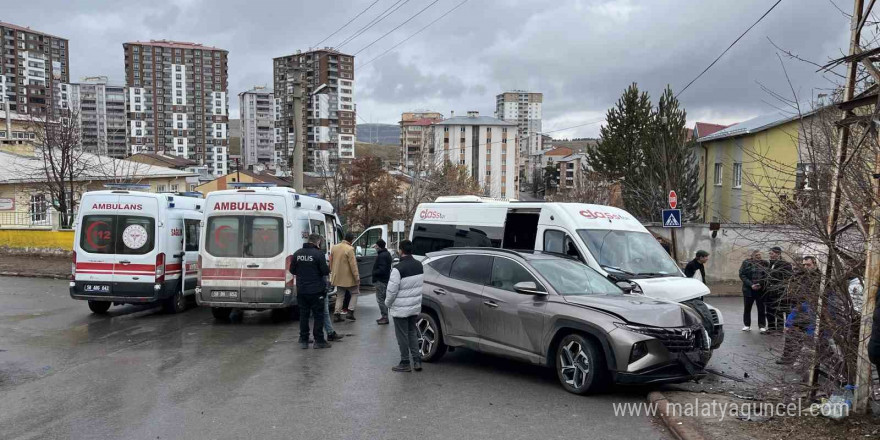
[35, 266]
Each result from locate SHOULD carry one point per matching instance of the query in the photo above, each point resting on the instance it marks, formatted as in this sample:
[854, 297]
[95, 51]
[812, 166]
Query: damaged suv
[553, 311]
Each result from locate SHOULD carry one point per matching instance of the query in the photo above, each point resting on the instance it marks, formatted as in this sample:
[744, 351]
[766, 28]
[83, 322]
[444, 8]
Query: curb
[34, 275]
[678, 426]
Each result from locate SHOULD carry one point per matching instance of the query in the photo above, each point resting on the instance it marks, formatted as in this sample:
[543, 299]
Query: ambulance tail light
[199, 264]
[73, 267]
[160, 268]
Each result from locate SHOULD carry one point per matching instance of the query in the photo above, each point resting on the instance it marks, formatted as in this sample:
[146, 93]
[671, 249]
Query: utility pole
[296, 161]
[839, 160]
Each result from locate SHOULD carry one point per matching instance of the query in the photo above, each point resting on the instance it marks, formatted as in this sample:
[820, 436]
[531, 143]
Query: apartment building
[486, 146]
[100, 110]
[257, 108]
[31, 63]
[326, 80]
[524, 108]
[177, 101]
[415, 136]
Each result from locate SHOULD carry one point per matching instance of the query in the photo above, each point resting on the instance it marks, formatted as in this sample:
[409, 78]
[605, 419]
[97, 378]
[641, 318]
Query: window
[560, 243]
[805, 176]
[627, 251]
[318, 227]
[174, 188]
[160, 188]
[364, 245]
[737, 175]
[39, 208]
[117, 234]
[244, 236]
[471, 268]
[434, 237]
[191, 230]
[573, 278]
[442, 265]
[506, 273]
[718, 174]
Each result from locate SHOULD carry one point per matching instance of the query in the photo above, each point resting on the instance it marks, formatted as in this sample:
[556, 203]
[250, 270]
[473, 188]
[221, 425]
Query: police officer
[309, 266]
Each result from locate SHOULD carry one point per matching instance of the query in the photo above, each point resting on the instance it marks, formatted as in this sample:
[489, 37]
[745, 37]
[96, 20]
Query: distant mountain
[388, 134]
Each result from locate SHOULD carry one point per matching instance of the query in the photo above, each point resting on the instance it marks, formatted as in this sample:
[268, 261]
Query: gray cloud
[580, 53]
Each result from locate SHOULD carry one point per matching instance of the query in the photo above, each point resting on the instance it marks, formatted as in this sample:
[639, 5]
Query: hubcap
[427, 336]
[574, 365]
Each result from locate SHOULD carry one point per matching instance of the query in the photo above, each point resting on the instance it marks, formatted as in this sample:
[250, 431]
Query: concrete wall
[31, 241]
[731, 245]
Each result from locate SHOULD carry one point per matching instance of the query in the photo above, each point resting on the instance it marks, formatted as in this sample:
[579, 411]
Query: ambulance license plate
[98, 288]
[224, 294]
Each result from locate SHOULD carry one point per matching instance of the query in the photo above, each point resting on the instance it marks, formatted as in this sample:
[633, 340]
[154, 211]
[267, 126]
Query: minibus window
[97, 234]
[318, 228]
[264, 237]
[222, 238]
[191, 229]
[134, 235]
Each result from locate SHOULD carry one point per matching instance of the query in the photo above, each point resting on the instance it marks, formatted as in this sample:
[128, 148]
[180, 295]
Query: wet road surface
[136, 373]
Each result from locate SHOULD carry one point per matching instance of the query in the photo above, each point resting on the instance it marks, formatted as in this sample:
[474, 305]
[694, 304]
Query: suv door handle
[125, 262]
[491, 304]
[440, 291]
[252, 265]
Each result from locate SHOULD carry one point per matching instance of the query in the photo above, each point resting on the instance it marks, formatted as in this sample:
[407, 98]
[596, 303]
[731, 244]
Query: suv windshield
[569, 277]
[633, 254]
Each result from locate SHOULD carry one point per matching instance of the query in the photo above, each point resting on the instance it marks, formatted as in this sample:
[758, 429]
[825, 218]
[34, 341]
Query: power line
[414, 34]
[397, 27]
[382, 15]
[346, 24]
[728, 48]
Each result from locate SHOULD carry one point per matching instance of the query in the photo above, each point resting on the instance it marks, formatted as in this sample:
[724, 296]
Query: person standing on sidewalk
[753, 273]
[778, 273]
[404, 302]
[381, 274]
[309, 266]
[800, 324]
[344, 275]
[697, 265]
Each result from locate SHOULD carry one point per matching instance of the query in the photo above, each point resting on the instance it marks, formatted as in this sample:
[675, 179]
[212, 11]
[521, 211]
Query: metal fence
[48, 219]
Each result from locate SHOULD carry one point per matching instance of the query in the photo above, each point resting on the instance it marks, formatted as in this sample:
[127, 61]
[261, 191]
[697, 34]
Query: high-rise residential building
[100, 110]
[32, 63]
[523, 108]
[327, 84]
[177, 101]
[257, 108]
[415, 136]
[487, 147]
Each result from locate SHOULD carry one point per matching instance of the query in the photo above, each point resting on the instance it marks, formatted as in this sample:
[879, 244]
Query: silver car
[553, 311]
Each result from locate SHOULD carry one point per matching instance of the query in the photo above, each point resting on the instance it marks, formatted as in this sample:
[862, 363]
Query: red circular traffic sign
[673, 199]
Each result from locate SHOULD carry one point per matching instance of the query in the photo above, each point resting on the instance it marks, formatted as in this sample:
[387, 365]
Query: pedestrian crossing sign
[671, 218]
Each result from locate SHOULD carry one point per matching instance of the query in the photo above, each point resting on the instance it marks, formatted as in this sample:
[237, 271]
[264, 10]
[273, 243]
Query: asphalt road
[136, 373]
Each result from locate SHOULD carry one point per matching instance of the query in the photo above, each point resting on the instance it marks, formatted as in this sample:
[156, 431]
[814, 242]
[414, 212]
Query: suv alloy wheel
[430, 339]
[580, 365]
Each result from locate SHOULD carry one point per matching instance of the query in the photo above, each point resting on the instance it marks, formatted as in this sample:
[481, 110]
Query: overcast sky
[580, 53]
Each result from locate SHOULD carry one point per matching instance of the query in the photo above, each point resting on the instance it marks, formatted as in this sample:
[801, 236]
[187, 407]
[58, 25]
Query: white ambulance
[134, 247]
[249, 236]
[608, 239]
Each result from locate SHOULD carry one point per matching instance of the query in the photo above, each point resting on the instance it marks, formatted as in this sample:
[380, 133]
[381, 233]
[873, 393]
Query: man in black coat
[874, 342]
[778, 273]
[381, 273]
[697, 265]
[309, 266]
[753, 273]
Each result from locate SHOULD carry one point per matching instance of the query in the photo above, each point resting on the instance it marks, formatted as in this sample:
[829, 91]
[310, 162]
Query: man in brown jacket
[344, 275]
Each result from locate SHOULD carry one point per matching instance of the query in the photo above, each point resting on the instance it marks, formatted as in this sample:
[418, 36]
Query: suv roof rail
[481, 248]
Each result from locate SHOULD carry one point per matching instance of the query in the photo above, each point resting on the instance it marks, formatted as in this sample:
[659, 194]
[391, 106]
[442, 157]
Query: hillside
[387, 134]
[390, 154]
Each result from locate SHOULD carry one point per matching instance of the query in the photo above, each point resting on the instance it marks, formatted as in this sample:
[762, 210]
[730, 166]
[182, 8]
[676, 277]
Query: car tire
[174, 304]
[221, 313]
[431, 343]
[99, 307]
[580, 365]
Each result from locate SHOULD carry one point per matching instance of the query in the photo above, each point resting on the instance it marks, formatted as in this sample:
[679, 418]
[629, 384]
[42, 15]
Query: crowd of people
[398, 293]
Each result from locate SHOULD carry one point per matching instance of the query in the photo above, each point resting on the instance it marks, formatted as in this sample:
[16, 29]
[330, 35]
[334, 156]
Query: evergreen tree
[669, 164]
[624, 136]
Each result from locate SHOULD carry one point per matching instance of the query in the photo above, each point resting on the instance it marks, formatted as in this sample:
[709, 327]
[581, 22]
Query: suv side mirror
[626, 286]
[528, 288]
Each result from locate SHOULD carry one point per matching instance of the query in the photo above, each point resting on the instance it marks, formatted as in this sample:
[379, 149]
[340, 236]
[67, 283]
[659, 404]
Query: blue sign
[671, 218]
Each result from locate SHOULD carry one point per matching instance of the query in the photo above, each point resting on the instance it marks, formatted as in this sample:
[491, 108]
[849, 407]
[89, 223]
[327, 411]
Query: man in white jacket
[403, 298]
